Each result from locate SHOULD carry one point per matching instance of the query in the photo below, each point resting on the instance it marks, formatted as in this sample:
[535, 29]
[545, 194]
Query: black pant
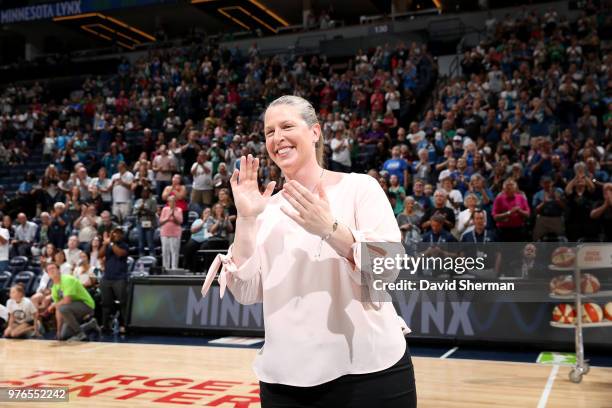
[113, 290]
[390, 388]
[191, 256]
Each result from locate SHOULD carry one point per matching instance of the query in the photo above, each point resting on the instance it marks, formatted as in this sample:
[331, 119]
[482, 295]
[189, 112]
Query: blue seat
[133, 237]
[18, 263]
[147, 263]
[192, 217]
[26, 278]
[130, 264]
[5, 279]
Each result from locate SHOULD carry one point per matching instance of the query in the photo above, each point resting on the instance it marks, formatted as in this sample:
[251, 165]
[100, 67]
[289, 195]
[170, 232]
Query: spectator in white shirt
[25, 235]
[105, 186]
[73, 252]
[21, 314]
[202, 189]
[64, 266]
[85, 271]
[4, 248]
[83, 181]
[87, 224]
[341, 152]
[122, 192]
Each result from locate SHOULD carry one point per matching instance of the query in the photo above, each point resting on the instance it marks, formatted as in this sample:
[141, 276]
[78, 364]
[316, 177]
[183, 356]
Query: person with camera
[114, 280]
[145, 209]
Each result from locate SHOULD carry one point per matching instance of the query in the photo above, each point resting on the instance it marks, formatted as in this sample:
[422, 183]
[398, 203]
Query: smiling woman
[299, 252]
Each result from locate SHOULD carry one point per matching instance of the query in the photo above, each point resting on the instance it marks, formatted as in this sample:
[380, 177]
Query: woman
[275, 175]
[49, 193]
[47, 256]
[510, 212]
[341, 151]
[228, 204]
[580, 202]
[465, 219]
[178, 191]
[144, 178]
[85, 271]
[87, 224]
[400, 193]
[298, 252]
[170, 222]
[408, 221]
[219, 227]
[64, 266]
[111, 159]
[94, 254]
[105, 187]
[42, 298]
[73, 204]
[199, 235]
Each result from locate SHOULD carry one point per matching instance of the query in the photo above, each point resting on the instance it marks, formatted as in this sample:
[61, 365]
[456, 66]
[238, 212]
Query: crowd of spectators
[140, 164]
[523, 135]
[517, 147]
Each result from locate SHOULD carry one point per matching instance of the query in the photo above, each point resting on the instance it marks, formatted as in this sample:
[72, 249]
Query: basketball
[562, 285]
[563, 257]
[591, 313]
[589, 284]
[608, 311]
[564, 313]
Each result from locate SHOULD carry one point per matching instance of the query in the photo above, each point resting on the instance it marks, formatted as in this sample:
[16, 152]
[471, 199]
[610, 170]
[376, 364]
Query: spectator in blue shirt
[437, 233]
[397, 166]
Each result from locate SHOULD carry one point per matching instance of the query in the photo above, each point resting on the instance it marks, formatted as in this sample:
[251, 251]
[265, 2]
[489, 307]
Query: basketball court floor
[107, 374]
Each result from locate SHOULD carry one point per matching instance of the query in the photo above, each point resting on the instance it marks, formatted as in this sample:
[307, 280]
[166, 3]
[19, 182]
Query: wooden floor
[132, 375]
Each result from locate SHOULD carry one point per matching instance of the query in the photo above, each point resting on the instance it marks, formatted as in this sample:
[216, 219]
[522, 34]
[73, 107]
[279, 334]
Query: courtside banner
[515, 294]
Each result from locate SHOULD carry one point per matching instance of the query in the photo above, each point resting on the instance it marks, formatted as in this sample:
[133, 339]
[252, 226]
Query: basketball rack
[589, 257]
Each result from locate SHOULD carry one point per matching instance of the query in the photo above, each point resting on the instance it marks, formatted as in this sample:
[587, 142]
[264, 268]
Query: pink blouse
[170, 229]
[315, 328]
[503, 203]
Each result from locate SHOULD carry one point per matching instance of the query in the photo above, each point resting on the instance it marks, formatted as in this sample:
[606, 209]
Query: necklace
[320, 178]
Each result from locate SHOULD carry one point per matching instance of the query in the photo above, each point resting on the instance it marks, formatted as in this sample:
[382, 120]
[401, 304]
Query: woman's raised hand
[249, 201]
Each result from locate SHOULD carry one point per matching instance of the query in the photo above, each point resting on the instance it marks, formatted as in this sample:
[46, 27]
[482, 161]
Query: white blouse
[315, 328]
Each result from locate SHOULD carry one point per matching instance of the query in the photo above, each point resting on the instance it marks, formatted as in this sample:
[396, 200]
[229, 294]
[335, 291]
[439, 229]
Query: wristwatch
[334, 228]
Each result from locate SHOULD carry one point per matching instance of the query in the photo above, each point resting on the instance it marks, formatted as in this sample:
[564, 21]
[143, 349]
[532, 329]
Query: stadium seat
[26, 278]
[131, 220]
[36, 282]
[130, 264]
[18, 264]
[147, 263]
[192, 217]
[5, 279]
[133, 237]
[139, 274]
